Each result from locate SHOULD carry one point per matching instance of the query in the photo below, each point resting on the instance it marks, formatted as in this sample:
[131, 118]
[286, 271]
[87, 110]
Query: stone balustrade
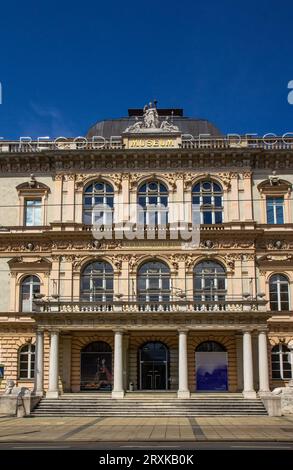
[184, 306]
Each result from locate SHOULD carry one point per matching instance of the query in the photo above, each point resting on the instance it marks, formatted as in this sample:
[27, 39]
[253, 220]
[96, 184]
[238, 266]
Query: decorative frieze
[200, 159]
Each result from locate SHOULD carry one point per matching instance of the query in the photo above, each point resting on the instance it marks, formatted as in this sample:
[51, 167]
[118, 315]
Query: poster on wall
[211, 371]
[1, 371]
[96, 371]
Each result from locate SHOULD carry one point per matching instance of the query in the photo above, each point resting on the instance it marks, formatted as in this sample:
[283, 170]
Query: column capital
[120, 330]
[55, 331]
[40, 332]
[183, 330]
[264, 329]
[248, 330]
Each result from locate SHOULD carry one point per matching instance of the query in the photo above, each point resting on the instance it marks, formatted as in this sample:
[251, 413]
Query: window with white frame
[209, 282]
[32, 212]
[97, 282]
[275, 210]
[98, 204]
[26, 361]
[281, 362]
[279, 292]
[154, 282]
[208, 196]
[153, 204]
[30, 286]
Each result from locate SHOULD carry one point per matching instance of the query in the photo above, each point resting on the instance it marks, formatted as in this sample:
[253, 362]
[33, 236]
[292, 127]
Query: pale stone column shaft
[39, 363]
[248, 390]
[183, 391]
[263, 363]
[118, 391]
[66, 363]
[53, 391]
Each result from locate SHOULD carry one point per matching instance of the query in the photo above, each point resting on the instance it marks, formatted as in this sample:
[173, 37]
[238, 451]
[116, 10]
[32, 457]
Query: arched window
[98, 203]
[279, 292]
[281, 367]
[209, 282]
[26, 361]
[210, 346]
[97, 282]
[153, 204]
[154, 282]
[207, 197]
[29, 287]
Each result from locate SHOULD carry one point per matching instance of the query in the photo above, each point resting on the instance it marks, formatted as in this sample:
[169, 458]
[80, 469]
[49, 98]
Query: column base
[183, 394]
[118, 394]
[264, 393]
[52, 394]
[38, 393]
[249, 394]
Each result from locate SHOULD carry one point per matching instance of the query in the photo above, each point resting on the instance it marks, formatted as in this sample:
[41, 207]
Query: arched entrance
[96, 367]
[153, 366]
[211, 362]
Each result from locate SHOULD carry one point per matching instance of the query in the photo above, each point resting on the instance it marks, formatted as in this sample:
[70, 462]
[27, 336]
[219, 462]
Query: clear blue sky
[65, 65]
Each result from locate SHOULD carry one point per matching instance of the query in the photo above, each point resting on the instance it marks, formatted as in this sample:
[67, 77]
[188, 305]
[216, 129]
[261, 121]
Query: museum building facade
[154, 254]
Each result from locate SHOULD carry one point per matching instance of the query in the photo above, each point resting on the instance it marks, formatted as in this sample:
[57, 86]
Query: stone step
[130, 415]
[68, 406]
[146, 405]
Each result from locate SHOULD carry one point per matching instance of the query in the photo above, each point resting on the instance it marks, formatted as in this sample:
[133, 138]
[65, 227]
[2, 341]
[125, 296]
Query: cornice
[140, 160]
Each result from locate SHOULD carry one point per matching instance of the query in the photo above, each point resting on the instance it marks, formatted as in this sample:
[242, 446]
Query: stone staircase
[149, 405]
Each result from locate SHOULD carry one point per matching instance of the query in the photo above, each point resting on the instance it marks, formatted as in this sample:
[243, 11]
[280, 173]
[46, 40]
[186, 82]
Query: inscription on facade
[153, 143]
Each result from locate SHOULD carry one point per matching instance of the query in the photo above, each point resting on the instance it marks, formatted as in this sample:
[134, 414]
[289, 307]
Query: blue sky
[65, 65]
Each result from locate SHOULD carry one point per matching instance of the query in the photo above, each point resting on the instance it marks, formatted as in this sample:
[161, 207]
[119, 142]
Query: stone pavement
[64, 429]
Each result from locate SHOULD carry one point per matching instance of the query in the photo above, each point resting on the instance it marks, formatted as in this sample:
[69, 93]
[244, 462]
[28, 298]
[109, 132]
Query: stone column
[39, 364]
[53, 390]
[183, 391]
[263, 363]
[239, 355]
[118, 391]
[248, 390]
[125, 361]
[66, 363]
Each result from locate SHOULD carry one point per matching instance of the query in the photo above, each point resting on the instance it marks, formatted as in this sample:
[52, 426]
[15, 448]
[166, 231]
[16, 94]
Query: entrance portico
[154, 353]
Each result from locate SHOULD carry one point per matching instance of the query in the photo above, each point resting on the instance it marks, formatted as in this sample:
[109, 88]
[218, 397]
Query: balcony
[182, 306]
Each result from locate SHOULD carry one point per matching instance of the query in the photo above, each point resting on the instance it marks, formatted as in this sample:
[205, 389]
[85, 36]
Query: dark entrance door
[154, 366]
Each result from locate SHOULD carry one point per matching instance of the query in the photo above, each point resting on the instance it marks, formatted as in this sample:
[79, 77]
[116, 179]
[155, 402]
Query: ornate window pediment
[274, 185]
[33, 187]
[33, 197]
[29, 264]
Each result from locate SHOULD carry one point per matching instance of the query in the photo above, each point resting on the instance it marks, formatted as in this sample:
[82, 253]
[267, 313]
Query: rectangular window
[275, 210]
[33, 212]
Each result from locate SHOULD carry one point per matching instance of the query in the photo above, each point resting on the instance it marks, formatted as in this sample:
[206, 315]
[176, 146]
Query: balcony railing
[241, 142]
[182, 306]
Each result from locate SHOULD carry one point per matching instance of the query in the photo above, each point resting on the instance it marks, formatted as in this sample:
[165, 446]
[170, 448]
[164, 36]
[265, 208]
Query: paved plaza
[88, 429]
